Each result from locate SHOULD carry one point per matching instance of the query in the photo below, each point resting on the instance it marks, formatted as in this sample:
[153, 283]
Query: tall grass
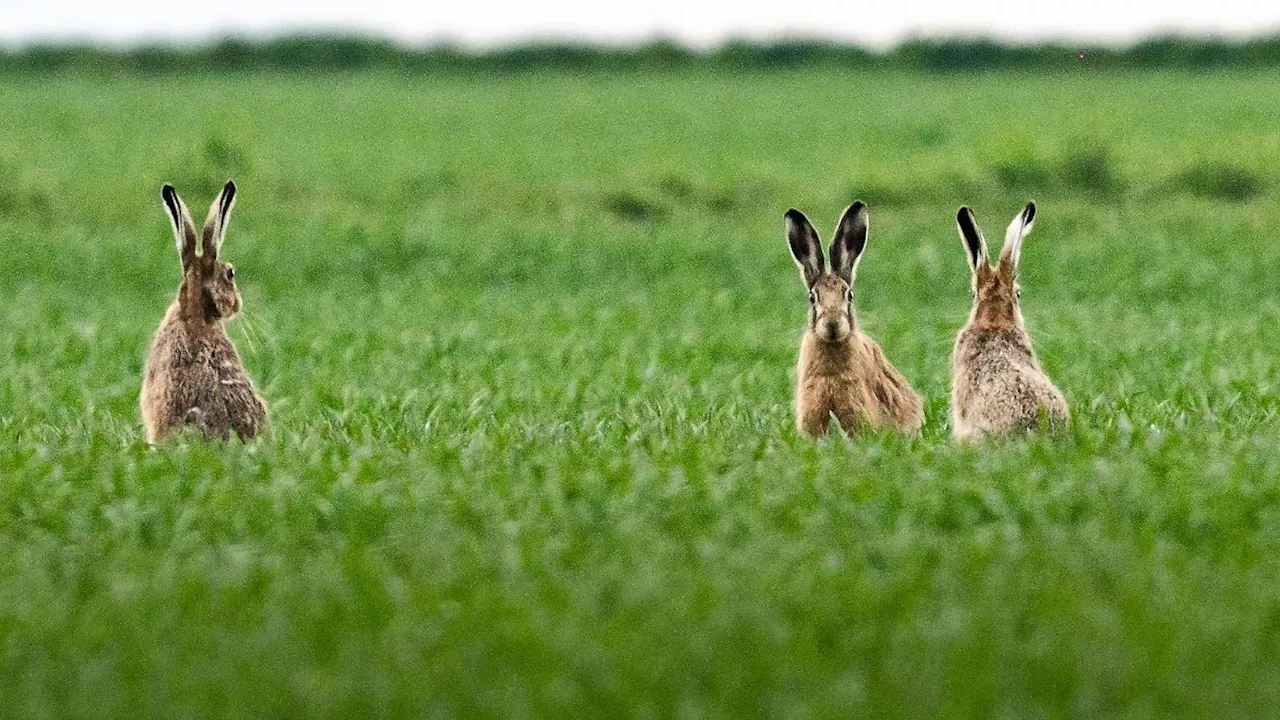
[528, 345]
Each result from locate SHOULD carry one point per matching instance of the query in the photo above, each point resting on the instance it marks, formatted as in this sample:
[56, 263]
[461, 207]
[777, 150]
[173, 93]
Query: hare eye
[231, 273]
[813, 297]
[1017, 293]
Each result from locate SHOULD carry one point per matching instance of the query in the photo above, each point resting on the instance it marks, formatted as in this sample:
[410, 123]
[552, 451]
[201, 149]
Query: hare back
[998, 386]
[855, 382]
[198, 381]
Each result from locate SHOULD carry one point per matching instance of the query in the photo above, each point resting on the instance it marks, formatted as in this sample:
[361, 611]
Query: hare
[997, 386]
[842, 372]
[193, 376]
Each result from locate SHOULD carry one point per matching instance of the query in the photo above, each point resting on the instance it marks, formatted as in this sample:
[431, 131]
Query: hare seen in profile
[193, 376]
[997, 385]
[842, 372]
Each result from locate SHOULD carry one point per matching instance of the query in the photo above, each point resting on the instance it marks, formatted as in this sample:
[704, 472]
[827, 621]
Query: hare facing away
[842, 372]
[997, 386]
[193, 376]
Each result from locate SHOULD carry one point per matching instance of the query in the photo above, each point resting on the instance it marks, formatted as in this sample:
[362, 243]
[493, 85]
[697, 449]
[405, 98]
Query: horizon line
[445, 42]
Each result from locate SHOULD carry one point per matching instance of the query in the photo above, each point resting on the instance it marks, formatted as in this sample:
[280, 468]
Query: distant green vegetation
[528, 341]
[346, 53]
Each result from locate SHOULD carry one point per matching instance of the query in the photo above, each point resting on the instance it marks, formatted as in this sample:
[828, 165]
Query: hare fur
[997, 384]
[843, 373]
[193, 376]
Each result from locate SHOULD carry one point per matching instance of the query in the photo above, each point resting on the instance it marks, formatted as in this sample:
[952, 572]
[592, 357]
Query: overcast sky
[485, 23]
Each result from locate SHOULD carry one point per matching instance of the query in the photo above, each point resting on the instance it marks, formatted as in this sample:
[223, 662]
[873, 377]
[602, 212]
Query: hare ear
[850, 241]
[184, 230]
[972, 236]
[215, 227]
[805, 247]
[1018, 231]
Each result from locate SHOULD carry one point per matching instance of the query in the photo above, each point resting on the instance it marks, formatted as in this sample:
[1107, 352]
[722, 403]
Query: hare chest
[842, 396]
[854, 383]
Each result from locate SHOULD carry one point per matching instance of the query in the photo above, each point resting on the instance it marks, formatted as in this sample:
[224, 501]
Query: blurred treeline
[335, 53]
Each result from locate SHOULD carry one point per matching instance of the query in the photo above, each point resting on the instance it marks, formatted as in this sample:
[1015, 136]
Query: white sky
[485, 23]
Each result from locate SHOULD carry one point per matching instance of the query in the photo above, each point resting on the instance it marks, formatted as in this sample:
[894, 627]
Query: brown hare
[997, 386]
[842, 372]
[193, 376]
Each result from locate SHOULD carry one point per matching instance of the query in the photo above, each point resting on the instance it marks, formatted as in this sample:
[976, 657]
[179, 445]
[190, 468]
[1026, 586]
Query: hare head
[208, 288]
[831, 315]
[996, 293]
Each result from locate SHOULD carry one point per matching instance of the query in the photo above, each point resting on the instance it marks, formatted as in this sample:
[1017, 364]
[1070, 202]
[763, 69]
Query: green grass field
[528, 342]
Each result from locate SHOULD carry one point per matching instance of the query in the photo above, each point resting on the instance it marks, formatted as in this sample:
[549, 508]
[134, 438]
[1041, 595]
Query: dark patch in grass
[1220, 181]
[677, 188]
[1087, 168]
[633, 208]
[719, 200]
[18, 200]
[947, 188]
[1028, 175]
[1091, 170]
[421, 187]
[224, 156]
[723, 202]
[220, 161]
[879, 195]
[927, 136]
[10, 199]
[400, 254]
[427, 183]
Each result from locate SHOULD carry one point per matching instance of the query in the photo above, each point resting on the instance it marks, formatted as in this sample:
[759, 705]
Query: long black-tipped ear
[215, 226]
[805, 246]
[972, 236]
[849, 242]
[184, 230]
